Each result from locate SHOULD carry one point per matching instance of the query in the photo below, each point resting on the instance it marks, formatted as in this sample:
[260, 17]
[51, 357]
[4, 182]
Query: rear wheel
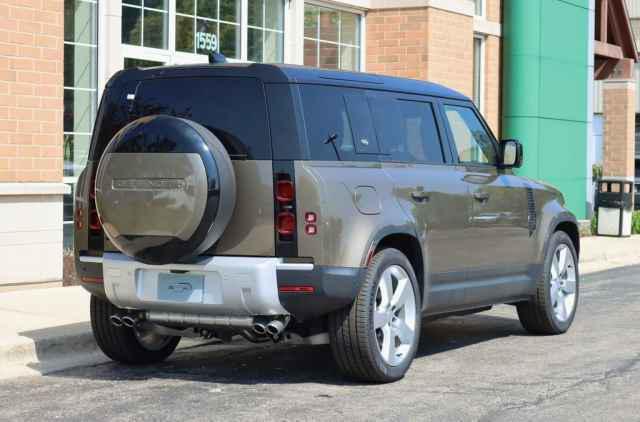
[376, 338]
[554, 305]
[127, 345]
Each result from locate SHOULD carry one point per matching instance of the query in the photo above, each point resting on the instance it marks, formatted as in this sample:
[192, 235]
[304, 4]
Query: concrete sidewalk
[47, 330]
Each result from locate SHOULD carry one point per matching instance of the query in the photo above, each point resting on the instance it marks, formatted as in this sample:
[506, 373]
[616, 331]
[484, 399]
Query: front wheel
[553, 308]
[376, 338]
[127, 345]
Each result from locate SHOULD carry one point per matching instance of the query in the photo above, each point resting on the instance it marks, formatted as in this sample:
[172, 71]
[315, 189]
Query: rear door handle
[481, 196]
[420, 196]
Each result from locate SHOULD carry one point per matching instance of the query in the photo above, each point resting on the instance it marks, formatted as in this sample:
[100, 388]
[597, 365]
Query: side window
[472, 142]
[364, 134]
[325, 115]
[407, 130]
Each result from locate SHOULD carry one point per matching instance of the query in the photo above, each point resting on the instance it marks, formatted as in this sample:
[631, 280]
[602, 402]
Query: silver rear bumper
[227, 286]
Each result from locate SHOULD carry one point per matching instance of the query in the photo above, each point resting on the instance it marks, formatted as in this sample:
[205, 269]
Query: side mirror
[511, 153]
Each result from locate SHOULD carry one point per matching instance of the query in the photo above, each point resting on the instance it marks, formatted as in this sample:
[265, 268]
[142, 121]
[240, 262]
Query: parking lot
[478, 367]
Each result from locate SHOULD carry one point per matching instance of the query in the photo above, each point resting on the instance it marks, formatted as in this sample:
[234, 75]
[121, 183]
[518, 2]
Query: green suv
[286, 203]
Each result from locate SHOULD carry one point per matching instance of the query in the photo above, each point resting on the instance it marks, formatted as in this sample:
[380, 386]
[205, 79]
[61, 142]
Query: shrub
[635, 225]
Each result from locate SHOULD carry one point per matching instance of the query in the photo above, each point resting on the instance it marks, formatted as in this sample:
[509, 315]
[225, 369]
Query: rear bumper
[229, 286]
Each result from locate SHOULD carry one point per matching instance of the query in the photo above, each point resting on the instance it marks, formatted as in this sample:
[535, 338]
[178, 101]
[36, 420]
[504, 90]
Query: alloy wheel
[394, 317]
[563, 283]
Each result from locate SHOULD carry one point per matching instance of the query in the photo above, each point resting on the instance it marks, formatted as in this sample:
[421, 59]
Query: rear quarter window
[234, 109]
[341, 114]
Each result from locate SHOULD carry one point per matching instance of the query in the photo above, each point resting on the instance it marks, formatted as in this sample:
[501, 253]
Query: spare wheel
[165, 189]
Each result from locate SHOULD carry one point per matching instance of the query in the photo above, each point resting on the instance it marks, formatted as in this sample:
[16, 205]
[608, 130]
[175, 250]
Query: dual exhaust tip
[273, 328]
[126, 321]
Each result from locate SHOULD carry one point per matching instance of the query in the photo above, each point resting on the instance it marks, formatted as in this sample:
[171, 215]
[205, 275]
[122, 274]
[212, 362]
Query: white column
[110, 58]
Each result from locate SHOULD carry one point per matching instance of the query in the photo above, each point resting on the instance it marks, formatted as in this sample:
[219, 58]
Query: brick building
[56, 56]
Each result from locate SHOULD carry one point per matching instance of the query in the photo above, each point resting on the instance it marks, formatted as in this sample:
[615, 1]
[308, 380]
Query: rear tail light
[284, 191]
[95, 225]
[285, 194]
[94, 221]
[286, 223]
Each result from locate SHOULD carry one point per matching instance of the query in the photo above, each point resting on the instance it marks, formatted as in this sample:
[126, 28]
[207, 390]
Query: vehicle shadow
[249, 364]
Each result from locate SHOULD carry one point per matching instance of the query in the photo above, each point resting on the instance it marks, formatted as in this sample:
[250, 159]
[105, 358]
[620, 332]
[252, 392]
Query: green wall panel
[544, 95]
[563, 93]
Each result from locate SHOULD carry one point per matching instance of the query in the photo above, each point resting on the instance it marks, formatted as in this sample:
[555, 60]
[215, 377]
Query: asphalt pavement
[478, 367]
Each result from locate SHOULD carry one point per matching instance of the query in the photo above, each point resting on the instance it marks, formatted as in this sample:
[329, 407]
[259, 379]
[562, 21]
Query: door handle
[481, 196]
[420, 196]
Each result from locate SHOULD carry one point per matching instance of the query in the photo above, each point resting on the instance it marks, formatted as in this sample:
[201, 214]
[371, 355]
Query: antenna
[217, 58]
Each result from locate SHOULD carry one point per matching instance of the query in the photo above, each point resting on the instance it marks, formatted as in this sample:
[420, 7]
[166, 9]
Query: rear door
[498, 230]
[427, 186]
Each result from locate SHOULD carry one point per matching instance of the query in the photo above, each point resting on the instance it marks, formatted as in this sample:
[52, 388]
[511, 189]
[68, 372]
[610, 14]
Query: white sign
[206, 41]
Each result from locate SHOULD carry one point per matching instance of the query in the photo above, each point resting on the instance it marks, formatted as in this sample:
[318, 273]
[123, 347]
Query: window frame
[96, 90]
[451, 141]
[483, 8]
[447, 154]
[481, 71]
[362, 31]
[171, 56]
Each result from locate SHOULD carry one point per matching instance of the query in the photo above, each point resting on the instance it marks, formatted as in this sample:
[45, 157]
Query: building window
[80, 93]
[204, 26]
[130, 63]
[479, 7]
[478, 72]
[265, 31]
[331, 38]
[145, 23]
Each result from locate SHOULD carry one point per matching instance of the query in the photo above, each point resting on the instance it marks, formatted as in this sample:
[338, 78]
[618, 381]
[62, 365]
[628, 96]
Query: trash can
[614, 206]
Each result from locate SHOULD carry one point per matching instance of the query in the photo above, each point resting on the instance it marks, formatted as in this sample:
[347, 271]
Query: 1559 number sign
[206, 41]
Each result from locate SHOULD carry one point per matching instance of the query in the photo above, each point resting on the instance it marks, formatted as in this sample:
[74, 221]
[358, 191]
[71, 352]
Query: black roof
[284, 73]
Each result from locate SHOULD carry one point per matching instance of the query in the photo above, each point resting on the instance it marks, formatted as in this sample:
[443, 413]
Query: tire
[554, 305]
[122, 344]
[356, 342]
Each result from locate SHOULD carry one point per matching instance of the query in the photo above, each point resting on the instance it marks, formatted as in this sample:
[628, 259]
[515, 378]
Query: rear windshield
[234, 109]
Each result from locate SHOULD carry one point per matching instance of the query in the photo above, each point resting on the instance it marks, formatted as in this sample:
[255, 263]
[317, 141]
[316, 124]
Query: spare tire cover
[165, 189]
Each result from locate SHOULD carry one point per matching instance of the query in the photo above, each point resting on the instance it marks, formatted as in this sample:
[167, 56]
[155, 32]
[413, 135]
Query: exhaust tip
[128, 321]
[115, 320]
[259, 328]
[275, 327]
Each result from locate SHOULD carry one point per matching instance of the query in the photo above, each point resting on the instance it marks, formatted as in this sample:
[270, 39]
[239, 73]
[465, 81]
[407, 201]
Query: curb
[22, 355]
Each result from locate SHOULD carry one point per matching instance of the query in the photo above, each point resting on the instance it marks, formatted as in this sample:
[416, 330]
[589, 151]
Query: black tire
[537, 316]
[121, 343]
[352, 335]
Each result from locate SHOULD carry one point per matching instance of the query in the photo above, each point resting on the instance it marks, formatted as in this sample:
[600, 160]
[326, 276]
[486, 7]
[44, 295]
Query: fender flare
[561, 217]
[409, 230]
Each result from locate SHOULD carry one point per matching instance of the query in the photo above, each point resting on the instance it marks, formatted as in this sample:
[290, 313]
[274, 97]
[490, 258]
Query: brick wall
[420, 43]
[397, 42]
[494, 10]
[31, 90]
[619, 128]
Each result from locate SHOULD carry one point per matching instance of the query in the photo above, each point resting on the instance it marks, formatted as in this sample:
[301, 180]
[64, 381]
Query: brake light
[285, 195]
[95, 225]
[284, 191]
[286, 223]
[94, 221]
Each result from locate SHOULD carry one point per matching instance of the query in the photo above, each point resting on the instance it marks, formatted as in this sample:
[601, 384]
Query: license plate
[180, 287]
